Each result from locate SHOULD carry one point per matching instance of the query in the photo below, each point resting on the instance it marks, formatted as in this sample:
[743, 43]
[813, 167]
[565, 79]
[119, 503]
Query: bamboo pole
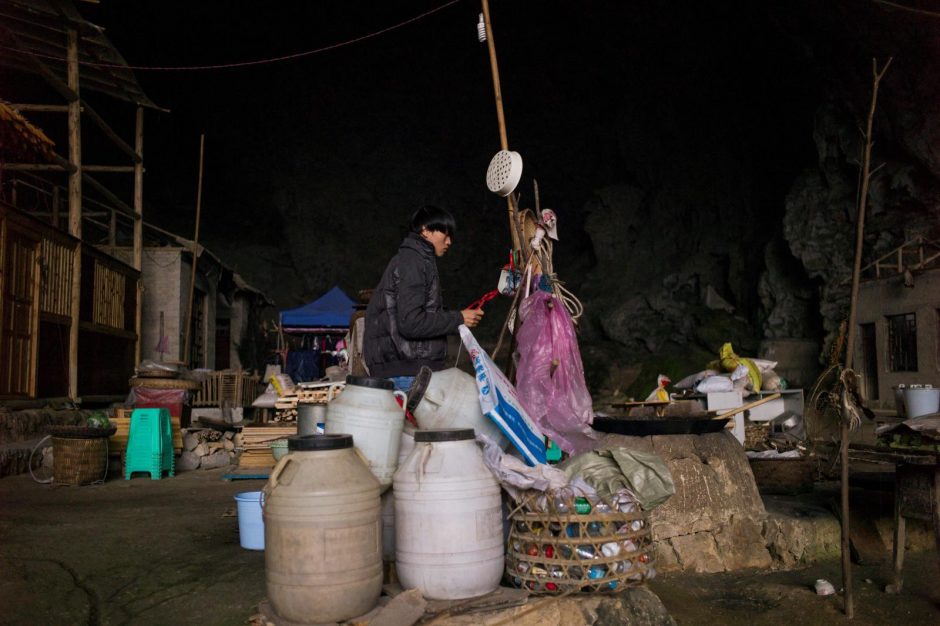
[500, 115]
[192, 277]
[746, 407]
[850, 343]
[75, 206]
[138, 225]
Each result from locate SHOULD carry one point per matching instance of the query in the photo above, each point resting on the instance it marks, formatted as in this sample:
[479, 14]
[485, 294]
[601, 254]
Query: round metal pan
[660, 426]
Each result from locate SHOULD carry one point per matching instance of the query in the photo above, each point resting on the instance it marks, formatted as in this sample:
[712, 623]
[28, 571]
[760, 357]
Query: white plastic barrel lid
[504, 172]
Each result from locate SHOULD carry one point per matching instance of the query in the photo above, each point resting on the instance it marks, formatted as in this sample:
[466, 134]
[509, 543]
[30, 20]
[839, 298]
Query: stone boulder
[714, 522]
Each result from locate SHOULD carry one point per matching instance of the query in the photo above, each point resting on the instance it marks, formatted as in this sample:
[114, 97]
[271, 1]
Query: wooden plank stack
[285, 407]
[256, 448]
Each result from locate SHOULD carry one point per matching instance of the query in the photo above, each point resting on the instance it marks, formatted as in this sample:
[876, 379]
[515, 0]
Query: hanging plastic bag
[500, 403]
[550, 377]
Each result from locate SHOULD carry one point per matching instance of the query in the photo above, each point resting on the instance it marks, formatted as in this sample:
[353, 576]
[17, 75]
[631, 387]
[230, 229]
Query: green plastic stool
[150, 444]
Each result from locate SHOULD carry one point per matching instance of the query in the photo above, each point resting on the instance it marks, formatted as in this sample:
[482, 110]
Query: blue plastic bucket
[250, 522]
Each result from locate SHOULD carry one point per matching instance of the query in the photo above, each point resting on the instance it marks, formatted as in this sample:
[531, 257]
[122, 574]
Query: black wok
[658, 426]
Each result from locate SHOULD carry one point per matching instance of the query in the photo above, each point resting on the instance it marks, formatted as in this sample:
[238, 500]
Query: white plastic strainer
[504, 172]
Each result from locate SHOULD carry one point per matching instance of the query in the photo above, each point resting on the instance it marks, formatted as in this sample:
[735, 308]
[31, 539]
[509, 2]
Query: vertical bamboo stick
[500, 115]
[75, 205]
[850, 342]
[138, 226]
[192, 278]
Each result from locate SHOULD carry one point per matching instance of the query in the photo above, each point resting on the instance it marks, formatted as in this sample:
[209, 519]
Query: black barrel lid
[306, 443]
[444, 434]
[418, 388]
[373, 383]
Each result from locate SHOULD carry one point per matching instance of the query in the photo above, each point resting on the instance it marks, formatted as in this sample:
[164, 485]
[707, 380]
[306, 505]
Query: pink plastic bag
[550, 376]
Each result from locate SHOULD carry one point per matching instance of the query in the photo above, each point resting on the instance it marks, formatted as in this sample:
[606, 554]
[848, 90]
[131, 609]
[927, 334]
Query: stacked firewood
[205, 448]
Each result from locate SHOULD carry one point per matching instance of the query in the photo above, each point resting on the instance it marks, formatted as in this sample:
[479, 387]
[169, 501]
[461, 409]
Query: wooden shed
[36, 281]
[70, 312]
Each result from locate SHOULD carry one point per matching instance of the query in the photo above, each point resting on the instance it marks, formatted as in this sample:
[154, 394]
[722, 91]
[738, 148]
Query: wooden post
[112, 228]
[850, 340]
[75, 206]
[192, 278]
[139, 224]
[500, 116]
[55, 206]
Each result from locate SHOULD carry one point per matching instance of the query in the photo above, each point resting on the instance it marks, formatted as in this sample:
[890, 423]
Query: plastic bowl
[279, 449]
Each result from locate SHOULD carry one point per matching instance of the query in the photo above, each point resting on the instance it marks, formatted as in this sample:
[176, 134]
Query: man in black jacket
[406, 322]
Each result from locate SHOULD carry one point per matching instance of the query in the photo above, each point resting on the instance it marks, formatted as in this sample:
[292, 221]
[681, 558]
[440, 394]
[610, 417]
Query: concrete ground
[167, 552]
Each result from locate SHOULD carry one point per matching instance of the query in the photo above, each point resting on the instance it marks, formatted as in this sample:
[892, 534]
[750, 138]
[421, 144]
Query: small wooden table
[916, 494]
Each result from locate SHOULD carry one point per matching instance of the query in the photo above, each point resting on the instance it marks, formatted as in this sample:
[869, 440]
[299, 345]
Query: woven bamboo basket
[597, 551]
[79, 461]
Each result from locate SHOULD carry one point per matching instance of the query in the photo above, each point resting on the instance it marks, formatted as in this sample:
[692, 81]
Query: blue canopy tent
[328, 313]
[326, 316]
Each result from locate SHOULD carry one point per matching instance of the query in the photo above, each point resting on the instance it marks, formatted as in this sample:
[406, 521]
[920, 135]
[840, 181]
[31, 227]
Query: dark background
[691, 150]
[596, 93]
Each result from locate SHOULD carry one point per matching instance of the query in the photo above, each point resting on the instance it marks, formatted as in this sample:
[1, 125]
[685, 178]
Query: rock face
[800, 533]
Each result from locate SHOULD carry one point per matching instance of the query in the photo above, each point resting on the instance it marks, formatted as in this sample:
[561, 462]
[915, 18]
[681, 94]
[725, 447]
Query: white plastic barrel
[451, 400]
[921, 400]
[388, 498]
[322, 532]
[368, 411]
[448, 518]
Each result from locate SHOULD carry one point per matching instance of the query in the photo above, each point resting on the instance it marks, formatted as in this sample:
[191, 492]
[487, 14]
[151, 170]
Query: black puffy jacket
[406, 323]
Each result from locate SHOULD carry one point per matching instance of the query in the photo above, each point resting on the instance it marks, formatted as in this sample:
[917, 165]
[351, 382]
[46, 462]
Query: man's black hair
[434, 219]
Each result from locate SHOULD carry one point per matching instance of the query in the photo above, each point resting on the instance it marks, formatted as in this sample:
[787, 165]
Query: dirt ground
[167, 552]
[787, 597]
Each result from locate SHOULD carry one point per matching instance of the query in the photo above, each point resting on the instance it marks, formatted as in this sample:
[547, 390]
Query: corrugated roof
[33, 30]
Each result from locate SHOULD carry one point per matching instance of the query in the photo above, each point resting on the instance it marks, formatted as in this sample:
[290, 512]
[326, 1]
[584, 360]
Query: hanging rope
[543, 255]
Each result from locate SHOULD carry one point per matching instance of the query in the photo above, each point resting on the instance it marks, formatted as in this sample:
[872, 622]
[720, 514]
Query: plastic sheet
[515, 476]
[616, 470]
[500, 402]
[550, 376]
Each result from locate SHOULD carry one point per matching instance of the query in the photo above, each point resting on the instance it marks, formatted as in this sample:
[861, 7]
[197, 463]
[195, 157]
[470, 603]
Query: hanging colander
[504, 172]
